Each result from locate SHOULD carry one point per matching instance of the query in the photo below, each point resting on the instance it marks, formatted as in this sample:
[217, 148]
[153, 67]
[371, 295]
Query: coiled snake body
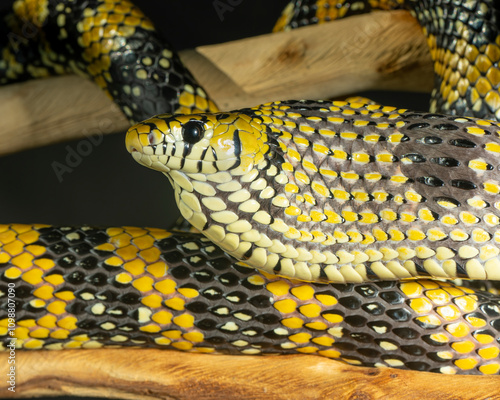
[339, 192]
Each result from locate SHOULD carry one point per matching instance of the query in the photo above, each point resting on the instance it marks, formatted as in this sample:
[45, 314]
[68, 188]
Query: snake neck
[248, 189]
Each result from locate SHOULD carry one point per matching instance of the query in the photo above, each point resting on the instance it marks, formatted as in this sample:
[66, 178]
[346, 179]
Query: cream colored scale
[341, 192]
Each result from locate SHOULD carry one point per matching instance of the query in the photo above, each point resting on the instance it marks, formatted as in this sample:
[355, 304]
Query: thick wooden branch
[162, 374]
[382, 50]
[374, 51]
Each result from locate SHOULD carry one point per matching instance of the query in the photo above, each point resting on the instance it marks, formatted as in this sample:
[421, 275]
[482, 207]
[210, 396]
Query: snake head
[198, 143]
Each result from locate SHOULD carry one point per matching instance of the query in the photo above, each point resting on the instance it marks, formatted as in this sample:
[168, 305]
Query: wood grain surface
[162, 374]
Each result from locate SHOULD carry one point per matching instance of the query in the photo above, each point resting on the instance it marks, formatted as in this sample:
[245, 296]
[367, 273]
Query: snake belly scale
[340, 192]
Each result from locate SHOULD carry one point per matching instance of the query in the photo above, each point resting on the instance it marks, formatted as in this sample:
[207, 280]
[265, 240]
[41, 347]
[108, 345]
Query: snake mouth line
[151, 161]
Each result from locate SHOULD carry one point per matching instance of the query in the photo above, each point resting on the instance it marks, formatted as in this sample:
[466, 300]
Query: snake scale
[350, 195]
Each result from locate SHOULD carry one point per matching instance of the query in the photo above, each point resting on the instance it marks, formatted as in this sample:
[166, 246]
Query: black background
[107, 187]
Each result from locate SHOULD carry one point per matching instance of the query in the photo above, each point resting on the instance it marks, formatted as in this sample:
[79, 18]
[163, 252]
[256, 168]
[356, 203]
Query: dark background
[108, 188]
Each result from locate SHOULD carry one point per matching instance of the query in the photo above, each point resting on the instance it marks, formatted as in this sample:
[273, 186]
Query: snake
[356, 215]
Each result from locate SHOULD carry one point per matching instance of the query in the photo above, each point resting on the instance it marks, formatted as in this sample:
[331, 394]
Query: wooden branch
[372, 51]
[45, 111]
[163, 374]
[380, 50]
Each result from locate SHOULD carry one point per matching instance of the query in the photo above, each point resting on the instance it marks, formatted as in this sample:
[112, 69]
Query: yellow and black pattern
[465, 48]
[299, 13]
[91, 288]
[463, 38]
[110, 41]
[336, 191]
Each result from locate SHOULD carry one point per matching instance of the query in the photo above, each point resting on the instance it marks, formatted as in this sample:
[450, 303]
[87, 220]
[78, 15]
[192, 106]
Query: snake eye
[192, 131]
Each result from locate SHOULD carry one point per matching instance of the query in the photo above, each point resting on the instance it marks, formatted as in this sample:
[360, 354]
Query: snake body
[109, 41]
[340, 192]
[88, 287]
